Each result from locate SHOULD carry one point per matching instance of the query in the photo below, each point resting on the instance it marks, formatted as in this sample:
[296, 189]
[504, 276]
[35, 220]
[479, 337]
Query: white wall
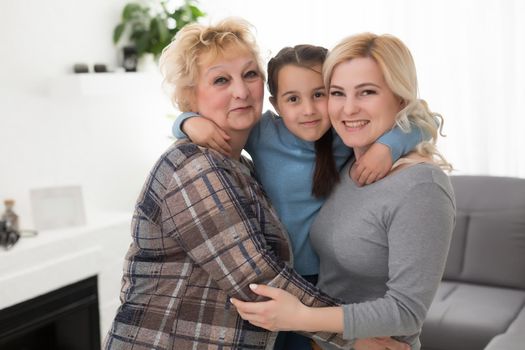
[104, 141]
[469, 54]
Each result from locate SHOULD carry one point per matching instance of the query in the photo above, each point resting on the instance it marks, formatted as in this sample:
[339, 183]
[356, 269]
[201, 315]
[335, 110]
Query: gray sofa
[481, 301]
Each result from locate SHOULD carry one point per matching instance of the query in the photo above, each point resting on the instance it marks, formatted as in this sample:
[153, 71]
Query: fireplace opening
[64, 319]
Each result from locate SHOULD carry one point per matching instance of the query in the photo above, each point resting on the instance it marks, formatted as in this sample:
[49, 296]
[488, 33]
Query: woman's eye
[367, 92]
[336, 93]
[220, 81]
[251, 74]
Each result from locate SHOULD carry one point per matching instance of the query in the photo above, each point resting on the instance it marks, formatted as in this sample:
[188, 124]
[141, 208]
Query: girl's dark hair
[325, 174]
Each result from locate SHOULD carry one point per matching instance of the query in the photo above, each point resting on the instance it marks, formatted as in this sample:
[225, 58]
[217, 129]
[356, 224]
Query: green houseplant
[152, 25]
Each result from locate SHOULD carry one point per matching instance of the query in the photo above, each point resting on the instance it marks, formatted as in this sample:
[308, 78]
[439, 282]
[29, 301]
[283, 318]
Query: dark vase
[129, 59]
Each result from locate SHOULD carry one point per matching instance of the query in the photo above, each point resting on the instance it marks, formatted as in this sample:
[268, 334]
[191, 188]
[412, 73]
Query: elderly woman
[382, 247]
[203, 230]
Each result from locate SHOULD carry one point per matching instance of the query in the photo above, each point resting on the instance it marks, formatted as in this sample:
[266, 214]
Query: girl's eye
[293, 99]
[319, 94]
[220, 81]
[251, 74]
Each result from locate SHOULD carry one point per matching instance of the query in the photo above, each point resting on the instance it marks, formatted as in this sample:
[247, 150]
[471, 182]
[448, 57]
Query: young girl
[292, 151]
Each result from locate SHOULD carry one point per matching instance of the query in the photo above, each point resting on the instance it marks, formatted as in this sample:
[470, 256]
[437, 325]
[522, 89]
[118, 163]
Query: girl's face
[230, 92]
[362, 106]
[302, 101]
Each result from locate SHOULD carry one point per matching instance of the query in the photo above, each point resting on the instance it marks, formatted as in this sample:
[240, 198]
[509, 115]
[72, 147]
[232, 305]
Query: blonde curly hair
[194, 43]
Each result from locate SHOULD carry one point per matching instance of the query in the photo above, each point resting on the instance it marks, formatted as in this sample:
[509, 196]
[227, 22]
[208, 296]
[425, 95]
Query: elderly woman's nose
[240, 89]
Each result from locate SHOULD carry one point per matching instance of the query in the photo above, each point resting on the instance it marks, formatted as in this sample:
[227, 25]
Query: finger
[247, 307]
[214, 146]
[265, 291]
[224, 145]
[358, 169]
[354, 174]
[223, 134]
[219, 148]
[371, 178]
[381, 175]
[363, 176]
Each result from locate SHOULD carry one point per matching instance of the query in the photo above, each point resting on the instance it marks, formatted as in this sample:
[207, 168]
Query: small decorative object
[81, 68]
[152, 25]
[9, 216]
[8, 237]
[100, 68]
[9, 228]
[57, 207]
[129, 61]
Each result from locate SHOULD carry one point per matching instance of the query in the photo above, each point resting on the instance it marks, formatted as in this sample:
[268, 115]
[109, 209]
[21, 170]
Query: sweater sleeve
[419, 233]
[256, 134]
[217, 221]
[176, 129]
[401, 143]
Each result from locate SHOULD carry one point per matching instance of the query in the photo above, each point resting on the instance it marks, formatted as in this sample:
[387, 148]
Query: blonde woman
[382, 247]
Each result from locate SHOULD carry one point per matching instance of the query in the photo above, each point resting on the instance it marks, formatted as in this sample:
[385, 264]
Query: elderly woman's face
[230, 91]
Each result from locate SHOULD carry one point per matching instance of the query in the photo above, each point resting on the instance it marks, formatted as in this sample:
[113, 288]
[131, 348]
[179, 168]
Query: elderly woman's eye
[251, 74]
[336, 93]
[220, 81]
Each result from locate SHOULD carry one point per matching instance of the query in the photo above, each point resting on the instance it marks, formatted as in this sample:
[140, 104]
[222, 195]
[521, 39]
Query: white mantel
[56, 258]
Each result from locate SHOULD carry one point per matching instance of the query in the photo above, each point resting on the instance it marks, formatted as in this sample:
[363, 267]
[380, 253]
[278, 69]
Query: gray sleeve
[419, 233]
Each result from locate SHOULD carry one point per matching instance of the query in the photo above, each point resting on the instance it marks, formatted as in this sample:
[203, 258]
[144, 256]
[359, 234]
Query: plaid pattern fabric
[203, 230]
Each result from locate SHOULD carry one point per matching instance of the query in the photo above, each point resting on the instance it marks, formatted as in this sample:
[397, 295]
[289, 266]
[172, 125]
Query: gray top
[383, 249]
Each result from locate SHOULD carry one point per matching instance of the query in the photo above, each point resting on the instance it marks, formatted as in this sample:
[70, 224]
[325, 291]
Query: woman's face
[230, 91]
[361, 105]
[302, 101]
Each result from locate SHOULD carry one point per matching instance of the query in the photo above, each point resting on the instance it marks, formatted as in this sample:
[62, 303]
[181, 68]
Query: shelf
[107, 84]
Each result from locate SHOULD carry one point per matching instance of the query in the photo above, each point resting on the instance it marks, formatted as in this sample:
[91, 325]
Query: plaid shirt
[203, 230]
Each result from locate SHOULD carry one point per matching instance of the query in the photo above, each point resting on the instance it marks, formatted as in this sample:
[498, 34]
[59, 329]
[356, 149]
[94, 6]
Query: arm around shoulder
[176, 129]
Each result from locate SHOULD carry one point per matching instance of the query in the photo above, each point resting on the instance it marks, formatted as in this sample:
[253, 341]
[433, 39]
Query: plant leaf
[162, 29]
[117, 32]
[130, 10]
[196, 12]
[142, 43]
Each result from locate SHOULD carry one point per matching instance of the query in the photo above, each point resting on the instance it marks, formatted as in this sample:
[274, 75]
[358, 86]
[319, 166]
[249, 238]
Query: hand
[372, 166]
[280, 313]
[380, 343]
[206, 133]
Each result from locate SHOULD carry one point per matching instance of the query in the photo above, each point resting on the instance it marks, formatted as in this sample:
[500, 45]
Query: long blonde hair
[396, 63]
[180, 60]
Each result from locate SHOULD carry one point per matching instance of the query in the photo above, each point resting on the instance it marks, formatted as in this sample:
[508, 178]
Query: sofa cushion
[493, 246]
[487, 193]
[488, 244]
[513, 341]
[518, 325]
[456, 252]
[467, 316]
